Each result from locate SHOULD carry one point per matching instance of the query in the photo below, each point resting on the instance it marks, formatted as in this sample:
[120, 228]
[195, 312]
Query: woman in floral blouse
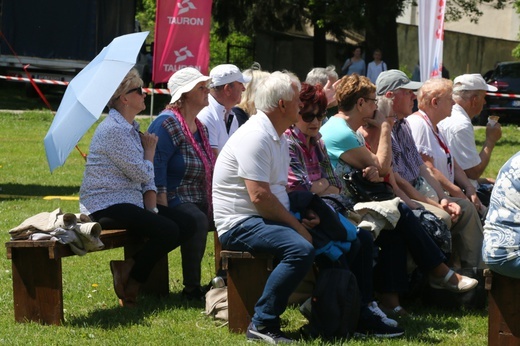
[118, 189]
[501, 247]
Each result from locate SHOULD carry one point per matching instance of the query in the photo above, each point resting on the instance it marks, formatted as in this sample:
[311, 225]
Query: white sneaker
[372, 306]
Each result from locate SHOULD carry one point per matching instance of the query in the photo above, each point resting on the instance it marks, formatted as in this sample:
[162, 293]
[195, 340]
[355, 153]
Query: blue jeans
[295, 256]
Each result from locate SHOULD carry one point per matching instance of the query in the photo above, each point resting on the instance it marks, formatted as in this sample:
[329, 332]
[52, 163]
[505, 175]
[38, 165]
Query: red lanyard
[441, 143]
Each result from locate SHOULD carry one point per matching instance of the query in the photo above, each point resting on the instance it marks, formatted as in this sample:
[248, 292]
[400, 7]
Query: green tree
[375, 19]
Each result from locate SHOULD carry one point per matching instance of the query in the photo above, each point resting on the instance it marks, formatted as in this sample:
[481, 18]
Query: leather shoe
[119, 285]
[465, 283]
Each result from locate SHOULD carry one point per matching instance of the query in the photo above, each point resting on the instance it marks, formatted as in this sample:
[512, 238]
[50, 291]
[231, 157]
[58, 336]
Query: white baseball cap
[227, 73]
[184, 80]
[472, 81]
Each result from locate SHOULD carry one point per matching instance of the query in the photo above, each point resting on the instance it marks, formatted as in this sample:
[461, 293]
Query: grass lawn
[92, 315]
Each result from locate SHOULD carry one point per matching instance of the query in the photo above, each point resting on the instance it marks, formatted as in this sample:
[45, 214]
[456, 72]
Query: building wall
[463, 53]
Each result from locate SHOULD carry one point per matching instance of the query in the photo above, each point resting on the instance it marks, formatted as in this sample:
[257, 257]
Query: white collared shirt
[255, 152]
[214, 117]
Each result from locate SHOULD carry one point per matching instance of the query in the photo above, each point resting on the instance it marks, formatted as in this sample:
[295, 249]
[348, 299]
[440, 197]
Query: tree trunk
[320, 47]
[381, 31]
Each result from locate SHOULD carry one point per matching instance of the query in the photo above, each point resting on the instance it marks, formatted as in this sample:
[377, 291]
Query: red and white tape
[511, 96]
[56, 82]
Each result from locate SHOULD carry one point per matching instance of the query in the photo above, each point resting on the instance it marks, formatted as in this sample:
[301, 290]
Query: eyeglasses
[309, 117]
[138, 90]
[369, 99]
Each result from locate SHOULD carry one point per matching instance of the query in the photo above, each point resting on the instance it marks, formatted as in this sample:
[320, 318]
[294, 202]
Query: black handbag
[363, 190]
[436, 229]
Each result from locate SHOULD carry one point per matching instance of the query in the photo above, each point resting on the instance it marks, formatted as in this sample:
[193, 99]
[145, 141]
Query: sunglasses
[309, 117]
[138, 90]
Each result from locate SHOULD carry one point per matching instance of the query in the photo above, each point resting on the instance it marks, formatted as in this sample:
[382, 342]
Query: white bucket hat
[183, 81]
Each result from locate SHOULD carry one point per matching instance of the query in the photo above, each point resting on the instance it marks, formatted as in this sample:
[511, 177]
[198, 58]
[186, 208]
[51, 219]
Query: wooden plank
[37, 286]
[247, 275]
[504, 311]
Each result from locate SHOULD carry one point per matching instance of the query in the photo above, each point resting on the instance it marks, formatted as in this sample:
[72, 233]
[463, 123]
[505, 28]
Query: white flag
[431, 37]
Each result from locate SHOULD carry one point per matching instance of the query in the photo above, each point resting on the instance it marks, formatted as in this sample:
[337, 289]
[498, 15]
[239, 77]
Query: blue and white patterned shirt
[116, 171]
[502, 227]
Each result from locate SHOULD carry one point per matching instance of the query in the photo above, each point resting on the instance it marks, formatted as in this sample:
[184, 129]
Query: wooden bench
[246, 278]
[503, 309]
[37, 274]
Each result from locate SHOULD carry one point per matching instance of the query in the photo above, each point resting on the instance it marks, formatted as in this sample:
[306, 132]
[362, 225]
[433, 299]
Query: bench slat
[111, 238]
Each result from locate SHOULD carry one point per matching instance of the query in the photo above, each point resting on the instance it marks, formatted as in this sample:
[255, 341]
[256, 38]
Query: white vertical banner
[431, 37]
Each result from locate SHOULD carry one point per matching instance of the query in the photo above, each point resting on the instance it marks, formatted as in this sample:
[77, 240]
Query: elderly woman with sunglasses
[118, 189]
[184, 164]
[310, 167]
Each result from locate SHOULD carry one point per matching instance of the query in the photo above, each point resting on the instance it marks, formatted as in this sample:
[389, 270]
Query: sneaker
[271, 335]
[374, 308]
[370, 324]
[305, 308]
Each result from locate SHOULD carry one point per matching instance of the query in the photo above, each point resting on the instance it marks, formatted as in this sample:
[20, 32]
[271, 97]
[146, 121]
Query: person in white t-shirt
[469, 92]
[376, 66]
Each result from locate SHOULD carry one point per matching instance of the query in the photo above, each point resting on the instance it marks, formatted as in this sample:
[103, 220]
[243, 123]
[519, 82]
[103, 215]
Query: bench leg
[37, 286]
[246, 281]
[504, 311]
[159, 281]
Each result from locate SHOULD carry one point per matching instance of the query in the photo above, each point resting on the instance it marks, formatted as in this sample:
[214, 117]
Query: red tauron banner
[181, 37]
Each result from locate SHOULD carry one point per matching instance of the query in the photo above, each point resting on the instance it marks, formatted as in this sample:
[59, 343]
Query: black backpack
[335, 304]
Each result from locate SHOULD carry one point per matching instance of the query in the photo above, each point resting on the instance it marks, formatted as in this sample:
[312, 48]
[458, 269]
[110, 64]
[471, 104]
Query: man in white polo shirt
[251, 205]
[469, 92]
[227, 85]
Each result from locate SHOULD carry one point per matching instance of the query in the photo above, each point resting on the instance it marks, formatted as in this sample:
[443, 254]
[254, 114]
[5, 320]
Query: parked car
[506, 101]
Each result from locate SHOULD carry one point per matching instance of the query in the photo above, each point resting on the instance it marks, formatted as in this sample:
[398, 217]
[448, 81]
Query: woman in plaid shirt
[183, 166]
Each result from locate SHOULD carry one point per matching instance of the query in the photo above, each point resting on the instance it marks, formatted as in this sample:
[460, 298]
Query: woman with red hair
[310, 170]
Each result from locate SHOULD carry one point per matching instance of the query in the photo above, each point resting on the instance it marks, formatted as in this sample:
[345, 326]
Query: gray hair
[321, 75]
[275, 87]
[385, 105]
[459, 94]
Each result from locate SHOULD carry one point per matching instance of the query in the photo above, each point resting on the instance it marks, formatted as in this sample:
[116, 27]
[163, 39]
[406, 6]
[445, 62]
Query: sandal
[465, 283]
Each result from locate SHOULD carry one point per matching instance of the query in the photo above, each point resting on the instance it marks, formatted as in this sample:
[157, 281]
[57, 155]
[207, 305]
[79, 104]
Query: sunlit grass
[92, 315]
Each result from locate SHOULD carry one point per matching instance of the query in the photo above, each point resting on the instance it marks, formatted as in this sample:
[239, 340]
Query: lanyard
[441, 143]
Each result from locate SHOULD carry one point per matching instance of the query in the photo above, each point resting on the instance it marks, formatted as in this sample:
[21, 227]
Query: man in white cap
[469, 92]
[226, 91]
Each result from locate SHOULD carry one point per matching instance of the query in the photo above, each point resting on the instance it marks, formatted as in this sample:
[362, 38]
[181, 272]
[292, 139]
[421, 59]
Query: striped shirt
[406, 159]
